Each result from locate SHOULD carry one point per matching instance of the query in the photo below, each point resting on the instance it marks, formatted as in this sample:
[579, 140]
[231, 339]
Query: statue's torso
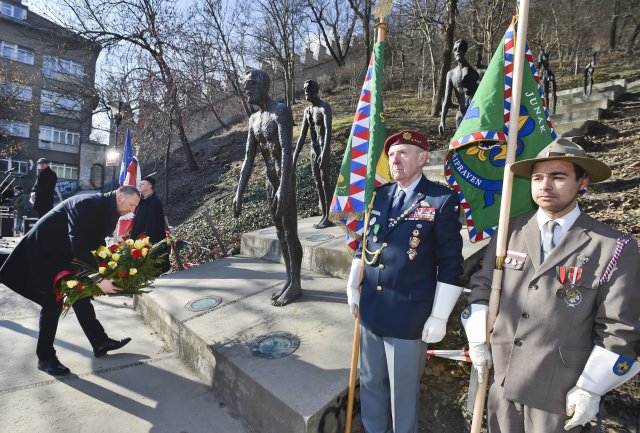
[465, 83]
[316, 117]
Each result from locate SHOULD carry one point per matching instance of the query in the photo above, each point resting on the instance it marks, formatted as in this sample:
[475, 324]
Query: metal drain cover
[203, 304]
[275, 345]
[319, 238]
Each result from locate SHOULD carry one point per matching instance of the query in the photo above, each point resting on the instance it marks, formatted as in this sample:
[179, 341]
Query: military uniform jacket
[543, 336]
[398, 291]
[71, 230]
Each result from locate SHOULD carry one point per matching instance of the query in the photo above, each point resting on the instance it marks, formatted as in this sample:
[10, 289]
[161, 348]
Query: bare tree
[336, 23]
[613, 28]
[448, 30]
[152, 27]
[229, 45]
[280, 22]
[363, 10]
[15, 103]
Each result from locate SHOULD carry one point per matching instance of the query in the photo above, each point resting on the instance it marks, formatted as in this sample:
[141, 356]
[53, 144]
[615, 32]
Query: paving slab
[302, 392]
[143, 387]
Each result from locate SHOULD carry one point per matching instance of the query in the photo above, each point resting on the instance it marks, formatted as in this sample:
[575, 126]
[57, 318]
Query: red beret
[407, 137]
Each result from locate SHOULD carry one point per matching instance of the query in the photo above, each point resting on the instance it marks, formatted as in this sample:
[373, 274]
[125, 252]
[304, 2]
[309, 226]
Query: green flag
[475, 162]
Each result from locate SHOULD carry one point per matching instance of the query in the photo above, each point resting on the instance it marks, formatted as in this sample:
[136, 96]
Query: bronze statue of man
[270, 133]
[317, 120]
[463, 80]
[589, 70]
[548, 80]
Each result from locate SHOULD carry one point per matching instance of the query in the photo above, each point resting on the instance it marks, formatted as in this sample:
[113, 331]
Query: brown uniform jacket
[541, 341]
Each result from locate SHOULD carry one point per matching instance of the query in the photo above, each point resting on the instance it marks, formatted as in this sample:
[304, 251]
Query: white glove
[582, 405]
[434, 330]
[353, 284]
[480, 357]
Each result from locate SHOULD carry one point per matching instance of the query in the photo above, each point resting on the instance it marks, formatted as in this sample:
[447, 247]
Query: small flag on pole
[364, 166]
[129, 175]
[474, 165]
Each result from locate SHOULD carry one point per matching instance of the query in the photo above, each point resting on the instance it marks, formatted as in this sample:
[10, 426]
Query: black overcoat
[71, 230]
[149, 219]
[44, 188]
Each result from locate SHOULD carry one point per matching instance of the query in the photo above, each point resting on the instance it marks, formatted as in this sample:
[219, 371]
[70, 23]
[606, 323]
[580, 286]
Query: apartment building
[46, 100]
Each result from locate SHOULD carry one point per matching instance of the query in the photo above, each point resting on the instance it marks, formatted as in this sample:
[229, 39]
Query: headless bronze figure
[317, 120]
[588, 75]
[270, 133]
[463, 80]
[548, 81]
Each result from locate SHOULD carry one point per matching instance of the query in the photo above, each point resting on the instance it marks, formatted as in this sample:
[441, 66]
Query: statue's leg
[327, 193]
[315, 169]
[271, 200]
[553, 96]
[294, 256]
[459, 117]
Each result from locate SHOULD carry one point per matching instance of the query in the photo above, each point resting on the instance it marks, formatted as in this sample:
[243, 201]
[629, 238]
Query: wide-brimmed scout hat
[565, 150]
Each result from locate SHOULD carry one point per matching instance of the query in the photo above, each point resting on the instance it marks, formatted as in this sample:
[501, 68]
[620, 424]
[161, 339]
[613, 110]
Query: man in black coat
[149, 218]
[44, 188]
[70, 231]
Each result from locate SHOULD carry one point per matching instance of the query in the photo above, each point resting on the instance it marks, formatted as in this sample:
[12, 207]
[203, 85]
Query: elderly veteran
[412, 263]
[569, 306]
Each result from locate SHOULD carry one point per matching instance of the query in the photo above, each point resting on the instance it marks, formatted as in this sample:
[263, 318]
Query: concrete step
[603, 104]
[633, 86]
[597, 87]
[303, 392]
[434, 169]
[324, 251]
[578, 98]
[576, 129]
[576, 115]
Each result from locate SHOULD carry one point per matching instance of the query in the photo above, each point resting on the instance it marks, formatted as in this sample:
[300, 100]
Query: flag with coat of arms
[129, 175]
[474, 166]
[364, 166]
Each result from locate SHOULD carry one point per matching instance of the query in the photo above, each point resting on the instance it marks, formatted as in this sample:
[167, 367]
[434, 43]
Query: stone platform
[304, 392]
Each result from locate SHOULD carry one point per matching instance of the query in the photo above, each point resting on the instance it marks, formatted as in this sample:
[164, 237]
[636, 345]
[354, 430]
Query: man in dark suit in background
[44, 188]
[149, 219]
[70, 231]
[413, 260]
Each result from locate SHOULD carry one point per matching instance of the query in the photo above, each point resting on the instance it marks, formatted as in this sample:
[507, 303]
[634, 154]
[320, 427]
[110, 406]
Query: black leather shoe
[110, 344]
[53, 367]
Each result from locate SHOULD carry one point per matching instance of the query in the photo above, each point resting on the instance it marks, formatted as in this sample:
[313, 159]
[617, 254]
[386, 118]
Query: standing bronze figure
[589, 70]
[548, 80]
[463, 80]
[270, 133]
[317, 120]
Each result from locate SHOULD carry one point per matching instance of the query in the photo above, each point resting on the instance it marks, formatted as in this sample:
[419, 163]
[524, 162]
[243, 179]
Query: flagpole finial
[382, 9]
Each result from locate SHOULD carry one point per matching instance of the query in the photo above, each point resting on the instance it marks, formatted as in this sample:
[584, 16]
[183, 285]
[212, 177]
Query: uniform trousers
[390, 373]
[504, 416]
[50, 315]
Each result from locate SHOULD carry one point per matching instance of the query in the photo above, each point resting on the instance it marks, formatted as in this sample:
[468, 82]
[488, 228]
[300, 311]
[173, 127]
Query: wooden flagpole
[382, 27]
[505, 203]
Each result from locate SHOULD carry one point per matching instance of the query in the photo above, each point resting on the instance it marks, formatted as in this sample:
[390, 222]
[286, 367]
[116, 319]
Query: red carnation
[142, 236]
[102, 264]
[136, 254]
[58, 295]
[79, 287]
[113, 248]
[122, 273]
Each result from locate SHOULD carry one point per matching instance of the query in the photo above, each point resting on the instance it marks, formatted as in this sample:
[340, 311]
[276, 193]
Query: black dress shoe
[53, 367]
[108, 345]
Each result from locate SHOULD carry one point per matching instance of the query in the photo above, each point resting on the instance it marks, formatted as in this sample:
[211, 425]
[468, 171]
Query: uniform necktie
[548, 243]
[398, 203]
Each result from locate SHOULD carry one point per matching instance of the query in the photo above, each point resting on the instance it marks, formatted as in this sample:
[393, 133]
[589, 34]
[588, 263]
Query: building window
[14, 128]
[51, 135]
[13, 11]
[14, 52]
[58, 104]
[60, 69]
[10, 90]
[8, 164]
[64, 171]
